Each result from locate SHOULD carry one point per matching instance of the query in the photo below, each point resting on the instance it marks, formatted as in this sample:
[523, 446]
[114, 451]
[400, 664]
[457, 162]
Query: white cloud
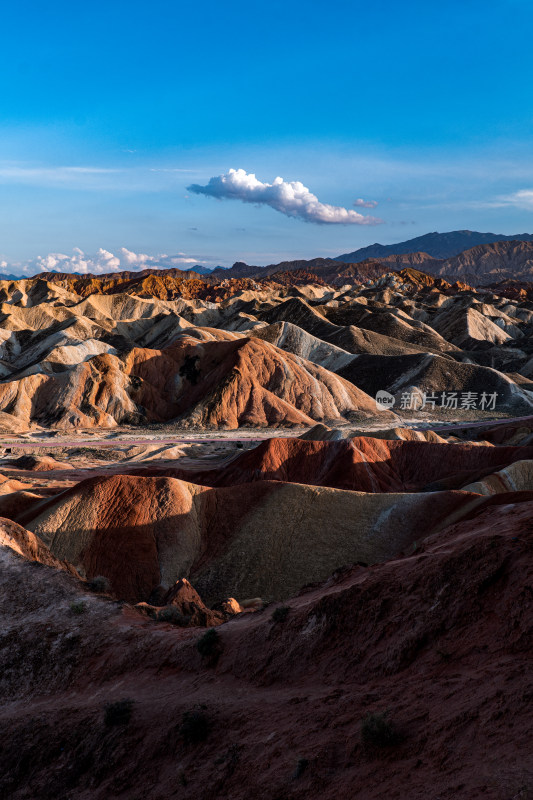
[62, 176]
[291, 198]
[144, 261]
[100, 263]
[522, 199]
[89, 178]
[170, 169]
[78, 262]
[360, 203]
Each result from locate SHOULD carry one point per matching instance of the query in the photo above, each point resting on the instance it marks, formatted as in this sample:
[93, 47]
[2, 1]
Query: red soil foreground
[441, 640]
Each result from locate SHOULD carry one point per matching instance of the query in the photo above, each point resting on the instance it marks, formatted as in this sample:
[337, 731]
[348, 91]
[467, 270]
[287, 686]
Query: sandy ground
[85, 453]
[171, 433]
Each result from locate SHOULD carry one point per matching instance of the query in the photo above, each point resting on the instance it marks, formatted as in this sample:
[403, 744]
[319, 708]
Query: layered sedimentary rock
[207, 384]
[361, 464]
[266, 539]
[85, 352]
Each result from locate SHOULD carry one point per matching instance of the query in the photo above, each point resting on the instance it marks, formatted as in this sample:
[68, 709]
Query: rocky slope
[207, 384]
[409, 676]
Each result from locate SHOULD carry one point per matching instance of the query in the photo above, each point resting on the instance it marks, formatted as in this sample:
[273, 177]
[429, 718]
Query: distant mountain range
[8, 276]
[488, 263]
[479, 259]
[198, 270]
[192, 272]
[437, 245]
[466, 256]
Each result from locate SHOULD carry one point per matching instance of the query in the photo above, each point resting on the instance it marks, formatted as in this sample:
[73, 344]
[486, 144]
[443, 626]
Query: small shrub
[194, 726]
[280, 613]
[209, 645]
[301, 766]
[99, 584]
[378, 731]
[118, 713]
[78, 607]
[72, 640]
[172, 615]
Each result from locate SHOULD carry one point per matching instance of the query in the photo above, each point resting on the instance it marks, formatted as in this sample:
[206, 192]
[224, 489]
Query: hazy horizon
[105, 261]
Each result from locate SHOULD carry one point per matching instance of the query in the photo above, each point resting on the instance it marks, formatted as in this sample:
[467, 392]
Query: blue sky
[109, 111]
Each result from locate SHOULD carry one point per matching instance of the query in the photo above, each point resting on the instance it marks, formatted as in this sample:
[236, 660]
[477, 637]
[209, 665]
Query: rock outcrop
[264, 539]
[362, 464]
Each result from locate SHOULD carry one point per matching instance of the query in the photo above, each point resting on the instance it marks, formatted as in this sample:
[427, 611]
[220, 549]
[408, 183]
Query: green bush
[118, 713]
[78, 607]
[100, 584]
[209, 645]
[172, 615]
[301, 766]
[280, 613]
[194, 726]
[378, 731]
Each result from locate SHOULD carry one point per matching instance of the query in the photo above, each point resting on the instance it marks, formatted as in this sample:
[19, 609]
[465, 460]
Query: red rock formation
[33, 463]
[362, 464]
[264, 539]
[225, 383]
[245, 381]
[188, 602]
[515, 433]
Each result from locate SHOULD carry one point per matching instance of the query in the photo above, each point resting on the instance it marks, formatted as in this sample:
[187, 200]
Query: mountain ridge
[494, 259]
[437, 245]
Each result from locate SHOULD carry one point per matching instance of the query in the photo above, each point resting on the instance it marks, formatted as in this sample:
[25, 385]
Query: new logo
[384, 400]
